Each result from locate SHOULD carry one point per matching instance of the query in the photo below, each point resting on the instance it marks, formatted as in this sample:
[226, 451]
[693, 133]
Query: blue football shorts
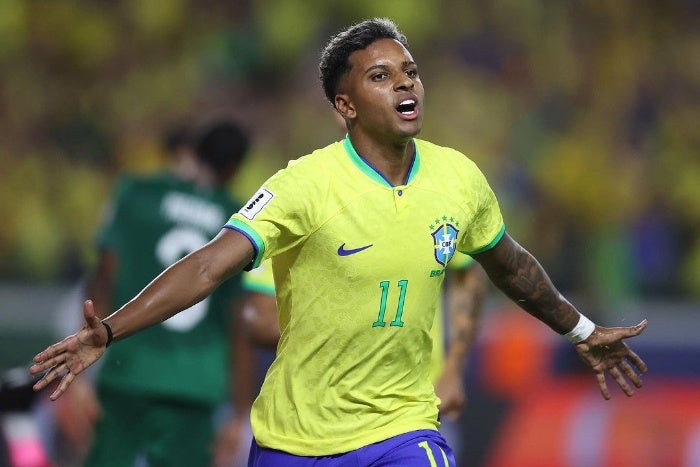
[422, 448]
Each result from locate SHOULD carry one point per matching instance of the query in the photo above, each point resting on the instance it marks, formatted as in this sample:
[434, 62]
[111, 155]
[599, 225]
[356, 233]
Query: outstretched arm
[520, 276]
[181, 285]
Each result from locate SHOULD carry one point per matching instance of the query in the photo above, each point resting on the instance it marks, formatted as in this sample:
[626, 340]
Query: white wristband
[581, 331]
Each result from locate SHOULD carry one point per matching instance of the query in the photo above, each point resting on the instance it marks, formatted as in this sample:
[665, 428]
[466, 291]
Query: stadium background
[583, 115]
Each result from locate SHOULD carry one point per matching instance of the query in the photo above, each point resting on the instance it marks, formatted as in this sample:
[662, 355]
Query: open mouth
[407, 107]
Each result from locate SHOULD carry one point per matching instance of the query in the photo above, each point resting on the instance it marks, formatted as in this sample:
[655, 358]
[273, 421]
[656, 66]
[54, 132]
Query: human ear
[344, 106]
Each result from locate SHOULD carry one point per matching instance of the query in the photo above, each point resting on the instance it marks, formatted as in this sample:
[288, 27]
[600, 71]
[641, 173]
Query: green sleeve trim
[255, 239]
[461, 263]
[260, 288]
[493, 242]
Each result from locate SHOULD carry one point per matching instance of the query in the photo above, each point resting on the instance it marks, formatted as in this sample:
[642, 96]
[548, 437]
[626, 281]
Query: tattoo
[521, 277]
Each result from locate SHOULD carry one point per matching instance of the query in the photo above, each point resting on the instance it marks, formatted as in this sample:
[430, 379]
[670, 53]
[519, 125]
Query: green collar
[369, 170]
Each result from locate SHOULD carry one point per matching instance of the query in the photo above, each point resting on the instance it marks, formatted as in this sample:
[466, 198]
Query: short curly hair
[335, 62]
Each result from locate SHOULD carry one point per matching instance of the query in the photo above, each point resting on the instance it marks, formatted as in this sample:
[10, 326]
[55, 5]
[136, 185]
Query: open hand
[605, 352]
[72, 355]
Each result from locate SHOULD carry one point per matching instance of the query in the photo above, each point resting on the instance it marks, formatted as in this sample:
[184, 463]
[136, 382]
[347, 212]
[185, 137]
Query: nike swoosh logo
[343, 252]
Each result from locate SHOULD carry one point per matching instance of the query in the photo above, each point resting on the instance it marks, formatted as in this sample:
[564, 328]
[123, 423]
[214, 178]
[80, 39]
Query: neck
[393, 159]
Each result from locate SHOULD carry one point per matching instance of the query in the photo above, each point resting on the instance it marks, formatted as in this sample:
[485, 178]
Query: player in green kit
[158, 392]
[359, 234]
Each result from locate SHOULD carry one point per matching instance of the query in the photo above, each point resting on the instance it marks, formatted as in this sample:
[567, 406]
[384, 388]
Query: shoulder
[130, 181]
[132, 189]
[438, 157]
[319, 158]
[311, 169]
[229, 202]
[125, 184]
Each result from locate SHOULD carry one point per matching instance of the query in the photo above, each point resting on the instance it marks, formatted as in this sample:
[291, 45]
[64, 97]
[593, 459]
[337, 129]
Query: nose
[403, 82]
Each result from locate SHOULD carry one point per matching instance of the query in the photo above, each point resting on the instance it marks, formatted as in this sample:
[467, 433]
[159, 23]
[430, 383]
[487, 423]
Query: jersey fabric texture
[261, 280]
[358, 267]
[154, 222]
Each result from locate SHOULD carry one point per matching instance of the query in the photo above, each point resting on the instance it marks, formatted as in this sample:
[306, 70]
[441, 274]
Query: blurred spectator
[154, 221]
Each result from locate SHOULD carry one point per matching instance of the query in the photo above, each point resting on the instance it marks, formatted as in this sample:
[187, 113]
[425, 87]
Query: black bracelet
[110, 336]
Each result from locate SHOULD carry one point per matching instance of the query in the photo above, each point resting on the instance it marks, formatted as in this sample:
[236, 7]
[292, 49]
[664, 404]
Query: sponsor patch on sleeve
[256, 204]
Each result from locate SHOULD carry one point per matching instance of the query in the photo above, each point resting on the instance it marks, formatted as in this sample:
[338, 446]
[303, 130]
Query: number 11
[403, 285]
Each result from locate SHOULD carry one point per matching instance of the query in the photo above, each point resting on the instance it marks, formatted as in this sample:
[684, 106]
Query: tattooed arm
[521, 277]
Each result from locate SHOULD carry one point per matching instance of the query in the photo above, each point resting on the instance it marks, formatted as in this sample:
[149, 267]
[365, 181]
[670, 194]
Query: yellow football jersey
[261, 280]
[358, 266]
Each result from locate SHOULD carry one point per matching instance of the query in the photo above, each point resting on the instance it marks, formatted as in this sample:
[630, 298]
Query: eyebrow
[404, 64]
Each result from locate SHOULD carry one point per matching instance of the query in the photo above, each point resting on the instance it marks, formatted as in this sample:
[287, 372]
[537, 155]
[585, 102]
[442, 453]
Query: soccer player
[359, 233]
[158, 393]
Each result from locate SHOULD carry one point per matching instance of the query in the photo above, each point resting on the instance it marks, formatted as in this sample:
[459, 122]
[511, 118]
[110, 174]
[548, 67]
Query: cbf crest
[444, 239]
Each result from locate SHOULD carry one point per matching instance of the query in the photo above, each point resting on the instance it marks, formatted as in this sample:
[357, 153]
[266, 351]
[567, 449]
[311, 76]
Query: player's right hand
[72, 355]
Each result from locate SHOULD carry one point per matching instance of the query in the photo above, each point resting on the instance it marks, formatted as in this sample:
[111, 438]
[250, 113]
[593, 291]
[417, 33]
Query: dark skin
[382, 76]
[521, 277]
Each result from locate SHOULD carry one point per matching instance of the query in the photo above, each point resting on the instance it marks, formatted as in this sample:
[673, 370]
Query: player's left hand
[605, 352]
[450, 390]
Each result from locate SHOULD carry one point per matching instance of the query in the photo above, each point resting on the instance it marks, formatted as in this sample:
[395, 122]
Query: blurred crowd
[583, 115]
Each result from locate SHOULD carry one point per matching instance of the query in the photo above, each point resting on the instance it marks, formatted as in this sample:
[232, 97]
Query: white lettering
[188, 209]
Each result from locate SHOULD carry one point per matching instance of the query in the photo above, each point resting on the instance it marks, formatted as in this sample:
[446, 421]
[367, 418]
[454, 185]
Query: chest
[389, 232]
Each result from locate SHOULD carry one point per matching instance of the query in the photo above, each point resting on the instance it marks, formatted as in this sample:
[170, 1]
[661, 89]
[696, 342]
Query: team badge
[444, 240]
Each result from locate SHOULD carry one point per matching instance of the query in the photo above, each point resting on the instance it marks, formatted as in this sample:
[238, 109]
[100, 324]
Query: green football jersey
[358, 267]
[154, 222]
